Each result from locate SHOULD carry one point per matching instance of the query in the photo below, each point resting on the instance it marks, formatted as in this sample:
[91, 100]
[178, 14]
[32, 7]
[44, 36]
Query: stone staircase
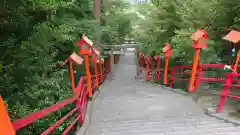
[127, 106]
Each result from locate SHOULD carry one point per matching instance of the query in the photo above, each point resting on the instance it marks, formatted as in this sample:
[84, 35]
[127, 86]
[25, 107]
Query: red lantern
[85, 45]
[233, 36]
[199, 37]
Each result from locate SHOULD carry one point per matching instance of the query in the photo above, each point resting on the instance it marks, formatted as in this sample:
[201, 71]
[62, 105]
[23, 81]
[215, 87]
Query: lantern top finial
[96, 52]
[200, 33]
[233, 36]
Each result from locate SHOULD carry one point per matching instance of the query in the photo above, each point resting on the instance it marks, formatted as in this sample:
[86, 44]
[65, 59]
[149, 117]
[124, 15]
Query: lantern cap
[76, 58]
[87, 40]
[102, 60]
[96, 52]
[166, 48]
[233, 36]
[156, 57]
[200, 33]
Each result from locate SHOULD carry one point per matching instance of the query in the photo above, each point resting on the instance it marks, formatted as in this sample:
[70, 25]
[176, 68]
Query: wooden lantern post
[74, 58]
[234, 36]
[6, 127]
[167, 50]
[85, 45]
[95, 56]
[148, 60]
[141, 58]
[101, 69]
[157, 59]
[199, 37]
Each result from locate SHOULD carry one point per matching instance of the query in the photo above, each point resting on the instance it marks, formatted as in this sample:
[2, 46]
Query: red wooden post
[148, 59]
[225, 92]
[172, 77]
[141, 57]
[167, 52]
[157, 59]
[6, 127]
[110, 63]
[95, 56]
[198, 79]
[101, 69]
[199, 37]
[85, 45]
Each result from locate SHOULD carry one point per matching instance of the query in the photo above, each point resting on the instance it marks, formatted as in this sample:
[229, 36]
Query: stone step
[169, 131]
[139, 118]
[163, 127]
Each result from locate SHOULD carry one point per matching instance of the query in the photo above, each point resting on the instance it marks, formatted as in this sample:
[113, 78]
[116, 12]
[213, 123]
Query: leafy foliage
[116, 22]
[34, 36]
[173, 21]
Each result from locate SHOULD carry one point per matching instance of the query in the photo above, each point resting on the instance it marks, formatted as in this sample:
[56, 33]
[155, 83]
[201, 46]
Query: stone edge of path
[170, 89]
[83, 129]
[212, 113]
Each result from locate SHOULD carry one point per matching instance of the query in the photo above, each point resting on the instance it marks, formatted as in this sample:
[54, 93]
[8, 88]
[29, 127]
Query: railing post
[147, 67]
[110, 63]
[165, 71]
[157, 59]
[172, 77]
[6, 127]
[141, 57]
[101, 64]
[96, 74]
[83, 102]
[89, 88]
[225, 92]
[198, 79]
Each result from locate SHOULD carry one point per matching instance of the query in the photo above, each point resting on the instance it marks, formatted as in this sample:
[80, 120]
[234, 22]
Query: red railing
[80, 99]
[226, 91]
[219, 83]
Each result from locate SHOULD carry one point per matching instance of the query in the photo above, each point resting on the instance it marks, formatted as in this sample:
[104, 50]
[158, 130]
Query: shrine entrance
[124, 49]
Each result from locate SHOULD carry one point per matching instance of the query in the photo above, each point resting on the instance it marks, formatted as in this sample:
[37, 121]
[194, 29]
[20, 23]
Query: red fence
[210, 77]
[80, 99]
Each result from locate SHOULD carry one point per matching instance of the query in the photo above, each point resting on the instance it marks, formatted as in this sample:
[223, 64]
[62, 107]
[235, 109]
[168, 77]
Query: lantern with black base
[75, 59]
[167, 50]
[85, 45]
[199, 38]
[234, 36]
[95, 56]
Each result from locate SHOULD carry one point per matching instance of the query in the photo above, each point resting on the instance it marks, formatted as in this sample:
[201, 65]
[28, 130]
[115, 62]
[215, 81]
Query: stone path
[126, 106]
